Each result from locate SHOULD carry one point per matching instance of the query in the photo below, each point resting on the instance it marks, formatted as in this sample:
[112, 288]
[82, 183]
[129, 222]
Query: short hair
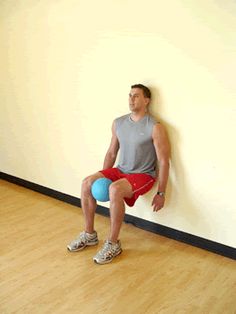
[145, 89]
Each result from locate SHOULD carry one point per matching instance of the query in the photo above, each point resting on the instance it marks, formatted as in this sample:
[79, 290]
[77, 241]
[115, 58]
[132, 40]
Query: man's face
[137, 101]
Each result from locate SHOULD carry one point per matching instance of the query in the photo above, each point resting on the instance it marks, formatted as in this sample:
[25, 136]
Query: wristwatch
[161, 193]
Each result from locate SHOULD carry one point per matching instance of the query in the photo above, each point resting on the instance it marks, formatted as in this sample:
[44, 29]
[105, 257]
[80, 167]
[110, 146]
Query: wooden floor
[152, 275]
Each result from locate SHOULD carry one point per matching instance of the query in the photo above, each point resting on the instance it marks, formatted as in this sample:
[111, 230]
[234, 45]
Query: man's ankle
[112, 240]
[90, 232]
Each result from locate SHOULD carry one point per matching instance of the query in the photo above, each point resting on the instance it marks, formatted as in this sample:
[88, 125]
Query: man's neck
[136, 116]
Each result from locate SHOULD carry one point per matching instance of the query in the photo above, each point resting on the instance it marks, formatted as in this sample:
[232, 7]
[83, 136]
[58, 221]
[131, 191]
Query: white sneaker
[83, 240]
[108, 252]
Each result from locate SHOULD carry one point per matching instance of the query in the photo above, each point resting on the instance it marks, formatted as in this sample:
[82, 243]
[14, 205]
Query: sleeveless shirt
[137, 151]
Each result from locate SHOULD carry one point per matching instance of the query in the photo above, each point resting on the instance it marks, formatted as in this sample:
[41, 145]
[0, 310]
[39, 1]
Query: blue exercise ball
[100, 189]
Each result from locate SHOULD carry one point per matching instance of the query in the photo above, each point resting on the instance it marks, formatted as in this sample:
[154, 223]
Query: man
[143, 144]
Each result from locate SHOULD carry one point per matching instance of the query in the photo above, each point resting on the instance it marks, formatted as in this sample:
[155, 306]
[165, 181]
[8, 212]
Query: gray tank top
[137, 152]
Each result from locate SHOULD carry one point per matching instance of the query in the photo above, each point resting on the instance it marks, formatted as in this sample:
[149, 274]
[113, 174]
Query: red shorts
[141, 182]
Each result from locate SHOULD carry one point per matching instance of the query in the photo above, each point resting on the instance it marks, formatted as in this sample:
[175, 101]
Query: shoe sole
[81, 248]
[107, 262]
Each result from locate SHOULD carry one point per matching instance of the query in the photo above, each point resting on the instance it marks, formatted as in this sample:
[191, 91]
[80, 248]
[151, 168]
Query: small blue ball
[100, 189]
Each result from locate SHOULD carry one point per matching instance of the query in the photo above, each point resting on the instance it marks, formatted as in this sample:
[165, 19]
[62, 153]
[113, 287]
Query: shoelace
[81, 238]
[107, 249]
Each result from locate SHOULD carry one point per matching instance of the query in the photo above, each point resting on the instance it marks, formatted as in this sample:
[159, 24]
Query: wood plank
[152, 275]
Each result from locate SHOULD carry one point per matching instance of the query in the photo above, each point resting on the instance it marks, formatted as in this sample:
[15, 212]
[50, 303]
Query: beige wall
[66, 70]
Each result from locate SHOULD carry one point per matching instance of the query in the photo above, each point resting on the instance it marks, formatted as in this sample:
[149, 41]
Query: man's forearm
[163, 176]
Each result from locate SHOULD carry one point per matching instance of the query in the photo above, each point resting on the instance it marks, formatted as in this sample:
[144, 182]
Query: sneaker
[83, 240]
[108, 252]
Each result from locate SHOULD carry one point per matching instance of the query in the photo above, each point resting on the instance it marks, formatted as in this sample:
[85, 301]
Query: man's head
[139, 98]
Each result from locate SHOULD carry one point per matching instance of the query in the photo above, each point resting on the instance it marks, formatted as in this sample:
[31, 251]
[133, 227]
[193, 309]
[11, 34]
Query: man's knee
[88, 181]
[119, 189]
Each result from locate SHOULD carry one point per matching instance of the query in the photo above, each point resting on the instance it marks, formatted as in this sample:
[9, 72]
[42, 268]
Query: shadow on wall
[179, 197]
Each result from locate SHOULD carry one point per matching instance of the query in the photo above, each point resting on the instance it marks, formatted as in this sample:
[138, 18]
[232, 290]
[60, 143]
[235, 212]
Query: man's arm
[162, 147]
[112, 151]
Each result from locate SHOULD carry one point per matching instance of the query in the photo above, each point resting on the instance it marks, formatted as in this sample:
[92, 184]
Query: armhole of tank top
[154, 123]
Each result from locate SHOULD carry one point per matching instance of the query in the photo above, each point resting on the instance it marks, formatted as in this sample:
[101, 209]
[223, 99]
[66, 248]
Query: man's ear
[147, 101]
[147, 104]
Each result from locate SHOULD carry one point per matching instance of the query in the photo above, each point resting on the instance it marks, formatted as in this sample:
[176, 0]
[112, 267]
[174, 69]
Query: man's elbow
[112, 155]
[164, 162]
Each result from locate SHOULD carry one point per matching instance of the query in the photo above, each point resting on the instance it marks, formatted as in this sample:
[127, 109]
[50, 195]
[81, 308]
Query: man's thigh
[141, 184]
[124, 187]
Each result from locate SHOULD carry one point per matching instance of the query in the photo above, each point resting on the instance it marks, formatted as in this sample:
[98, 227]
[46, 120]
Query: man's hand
[158, 202]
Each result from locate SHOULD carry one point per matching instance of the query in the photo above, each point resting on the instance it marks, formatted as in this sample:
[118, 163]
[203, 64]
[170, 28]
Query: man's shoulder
[122, 118]
[152, 119]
